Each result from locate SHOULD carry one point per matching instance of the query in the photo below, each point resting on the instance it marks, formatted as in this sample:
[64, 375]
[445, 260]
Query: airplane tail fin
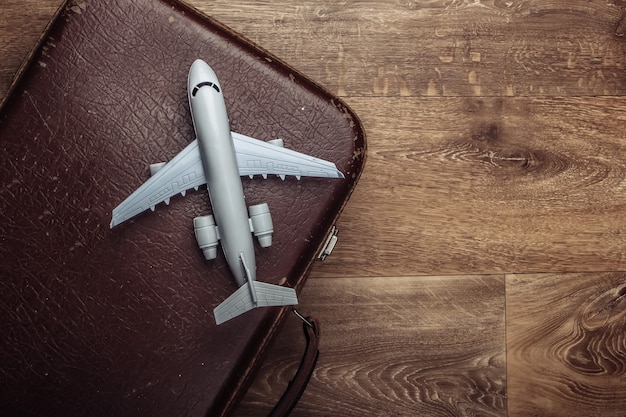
[254, 294]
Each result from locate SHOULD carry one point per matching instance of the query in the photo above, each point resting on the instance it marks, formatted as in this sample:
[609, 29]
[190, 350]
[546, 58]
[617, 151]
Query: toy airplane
[218, 157]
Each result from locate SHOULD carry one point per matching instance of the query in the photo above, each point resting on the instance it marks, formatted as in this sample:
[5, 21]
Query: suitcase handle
[298, 384]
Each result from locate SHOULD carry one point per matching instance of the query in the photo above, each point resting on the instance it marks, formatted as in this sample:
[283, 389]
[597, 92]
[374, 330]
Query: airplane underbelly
[217, 152]
[235, 237]
[229, 209]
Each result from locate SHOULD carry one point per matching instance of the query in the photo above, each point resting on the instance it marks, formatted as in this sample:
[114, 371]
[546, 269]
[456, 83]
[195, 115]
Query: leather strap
[298, 384]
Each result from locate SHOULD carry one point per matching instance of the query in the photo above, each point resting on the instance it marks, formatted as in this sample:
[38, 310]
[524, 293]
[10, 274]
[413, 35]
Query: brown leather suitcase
[105, 322]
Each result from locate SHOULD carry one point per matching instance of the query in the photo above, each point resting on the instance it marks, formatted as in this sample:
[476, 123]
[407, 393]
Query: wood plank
[566, 344]
[490, 185]
[394, 346]
[441, 47]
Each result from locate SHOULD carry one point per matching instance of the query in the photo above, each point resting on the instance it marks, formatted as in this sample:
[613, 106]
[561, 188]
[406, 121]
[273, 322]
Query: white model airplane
[218, 157]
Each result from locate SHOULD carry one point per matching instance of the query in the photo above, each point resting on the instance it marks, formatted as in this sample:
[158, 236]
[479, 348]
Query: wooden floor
[479, 269]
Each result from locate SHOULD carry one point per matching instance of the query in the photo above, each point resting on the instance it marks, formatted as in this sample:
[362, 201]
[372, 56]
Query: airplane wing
[176, 177]
[267, 295]
[255, 157]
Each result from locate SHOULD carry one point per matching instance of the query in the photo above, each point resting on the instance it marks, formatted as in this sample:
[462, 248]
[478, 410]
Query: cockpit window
[199, 86]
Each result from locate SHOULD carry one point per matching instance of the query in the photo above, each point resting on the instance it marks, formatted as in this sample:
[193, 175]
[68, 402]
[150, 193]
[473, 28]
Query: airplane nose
[200, 72]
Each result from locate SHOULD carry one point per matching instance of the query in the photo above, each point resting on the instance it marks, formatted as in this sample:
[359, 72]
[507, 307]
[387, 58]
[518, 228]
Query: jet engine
[261, 223]
[206, 235]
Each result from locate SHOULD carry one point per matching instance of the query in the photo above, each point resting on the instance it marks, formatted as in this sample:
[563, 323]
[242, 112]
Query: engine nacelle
[261, 223]
[206, 235]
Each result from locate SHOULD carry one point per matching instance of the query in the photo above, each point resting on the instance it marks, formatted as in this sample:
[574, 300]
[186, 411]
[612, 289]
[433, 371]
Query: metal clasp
[304, 319]
[329, 245]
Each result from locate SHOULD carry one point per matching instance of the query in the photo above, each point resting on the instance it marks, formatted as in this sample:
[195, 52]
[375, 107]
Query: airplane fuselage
[218, 157]
[217, 152]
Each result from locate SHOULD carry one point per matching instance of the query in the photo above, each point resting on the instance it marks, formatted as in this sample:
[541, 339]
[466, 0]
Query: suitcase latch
[329, 245]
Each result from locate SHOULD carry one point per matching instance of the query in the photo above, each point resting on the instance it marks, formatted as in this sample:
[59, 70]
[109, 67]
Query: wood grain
[566, 344]
[488, 185]
[395, 346]
[441, 47]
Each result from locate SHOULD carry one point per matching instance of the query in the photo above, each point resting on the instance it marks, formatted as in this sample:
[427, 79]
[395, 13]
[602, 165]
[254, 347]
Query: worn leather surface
[107, 322]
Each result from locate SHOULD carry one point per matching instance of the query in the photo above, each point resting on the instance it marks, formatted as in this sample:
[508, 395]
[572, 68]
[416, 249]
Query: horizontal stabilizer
[242, 300]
